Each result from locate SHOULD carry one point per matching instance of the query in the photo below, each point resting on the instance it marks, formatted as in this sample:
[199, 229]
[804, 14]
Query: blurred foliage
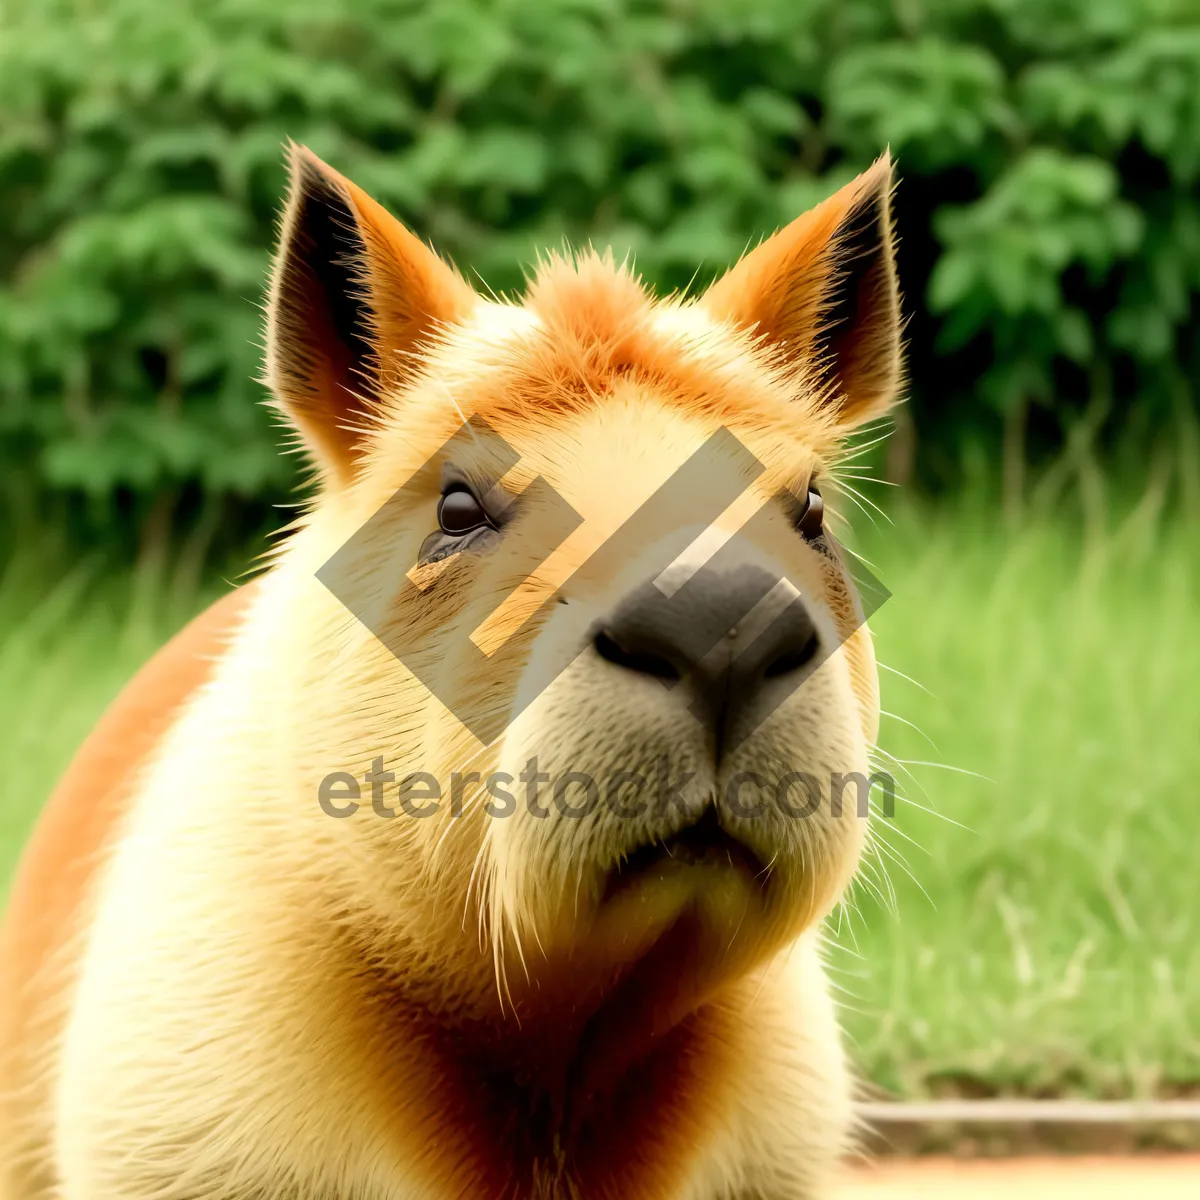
[1049, 150]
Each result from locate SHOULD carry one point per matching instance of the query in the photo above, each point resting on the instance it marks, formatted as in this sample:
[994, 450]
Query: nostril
[644, 661]
[794, 657]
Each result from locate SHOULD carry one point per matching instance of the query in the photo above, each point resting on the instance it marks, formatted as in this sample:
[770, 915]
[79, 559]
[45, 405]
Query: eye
[812, 520]
[459, 512]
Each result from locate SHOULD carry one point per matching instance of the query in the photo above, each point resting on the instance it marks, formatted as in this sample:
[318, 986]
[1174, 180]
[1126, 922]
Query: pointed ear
[353, 293]
[823, 291]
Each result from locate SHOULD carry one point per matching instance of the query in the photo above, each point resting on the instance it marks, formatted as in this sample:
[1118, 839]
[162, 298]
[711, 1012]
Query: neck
[600, 1080]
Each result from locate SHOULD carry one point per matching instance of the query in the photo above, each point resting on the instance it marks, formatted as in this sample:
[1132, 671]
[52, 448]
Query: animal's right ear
[353, 296]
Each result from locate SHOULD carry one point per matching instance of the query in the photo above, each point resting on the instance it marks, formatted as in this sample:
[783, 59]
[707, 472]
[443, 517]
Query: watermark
[712, 479]
[626, 794]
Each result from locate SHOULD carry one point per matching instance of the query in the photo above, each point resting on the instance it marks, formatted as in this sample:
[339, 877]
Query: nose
[706, 638]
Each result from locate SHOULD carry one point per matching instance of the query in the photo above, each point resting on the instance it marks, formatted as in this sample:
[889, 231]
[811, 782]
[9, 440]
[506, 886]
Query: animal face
[623, 570]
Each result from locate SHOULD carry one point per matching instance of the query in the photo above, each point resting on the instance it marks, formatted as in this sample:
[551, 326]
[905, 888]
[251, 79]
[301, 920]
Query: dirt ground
[1165, 1178]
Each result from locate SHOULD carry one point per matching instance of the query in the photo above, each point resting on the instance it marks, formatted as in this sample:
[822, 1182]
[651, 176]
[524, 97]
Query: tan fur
[50, 902]
[268, 1002]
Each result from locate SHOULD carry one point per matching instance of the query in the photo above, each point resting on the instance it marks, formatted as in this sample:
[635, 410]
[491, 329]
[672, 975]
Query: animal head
[593, 643]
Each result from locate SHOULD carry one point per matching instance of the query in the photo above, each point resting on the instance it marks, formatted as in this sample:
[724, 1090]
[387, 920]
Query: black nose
[700, 637]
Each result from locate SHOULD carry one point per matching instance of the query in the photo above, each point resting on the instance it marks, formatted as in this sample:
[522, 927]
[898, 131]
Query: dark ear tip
[310, 176]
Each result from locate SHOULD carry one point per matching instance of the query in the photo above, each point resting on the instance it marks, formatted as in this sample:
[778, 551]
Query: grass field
[1055, 948]
[1045, 933]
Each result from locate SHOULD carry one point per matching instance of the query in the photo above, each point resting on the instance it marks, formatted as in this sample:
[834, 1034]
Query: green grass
[1058, 946]
[65, 651]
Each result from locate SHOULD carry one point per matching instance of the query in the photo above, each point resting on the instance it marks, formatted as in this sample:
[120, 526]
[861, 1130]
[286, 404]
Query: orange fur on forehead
[587, 298]
[596, 325]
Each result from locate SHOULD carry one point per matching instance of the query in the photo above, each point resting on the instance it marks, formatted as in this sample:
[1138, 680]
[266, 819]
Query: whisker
[853, 498]
[908, 678]
[878, 832]
[865, 880]
[933, 812]
[865, 499]
[879, 750]
[858, 477]
[918, 762]
[862, 558]
[877, 864]
[899, 861]
[857, 450]
[883, 712]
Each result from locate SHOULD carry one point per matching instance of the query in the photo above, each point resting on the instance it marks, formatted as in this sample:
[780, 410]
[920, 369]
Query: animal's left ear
[823, 291]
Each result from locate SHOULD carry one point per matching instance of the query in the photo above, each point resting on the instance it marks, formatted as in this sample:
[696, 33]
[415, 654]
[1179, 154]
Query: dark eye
[459, 512]
[812, 520]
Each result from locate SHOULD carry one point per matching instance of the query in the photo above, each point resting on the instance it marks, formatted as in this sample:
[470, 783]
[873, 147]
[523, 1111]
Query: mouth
[703, 844]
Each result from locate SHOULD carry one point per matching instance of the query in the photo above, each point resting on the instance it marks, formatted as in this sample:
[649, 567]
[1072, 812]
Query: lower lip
[729, 855]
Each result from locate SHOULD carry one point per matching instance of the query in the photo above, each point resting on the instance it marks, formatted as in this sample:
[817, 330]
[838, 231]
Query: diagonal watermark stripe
[657, 534]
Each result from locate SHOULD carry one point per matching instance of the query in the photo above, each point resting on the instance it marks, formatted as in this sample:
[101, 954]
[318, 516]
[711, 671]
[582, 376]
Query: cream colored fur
[264, 990]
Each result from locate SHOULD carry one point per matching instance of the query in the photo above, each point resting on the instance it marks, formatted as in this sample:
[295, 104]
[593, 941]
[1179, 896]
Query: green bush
[1050, 152]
